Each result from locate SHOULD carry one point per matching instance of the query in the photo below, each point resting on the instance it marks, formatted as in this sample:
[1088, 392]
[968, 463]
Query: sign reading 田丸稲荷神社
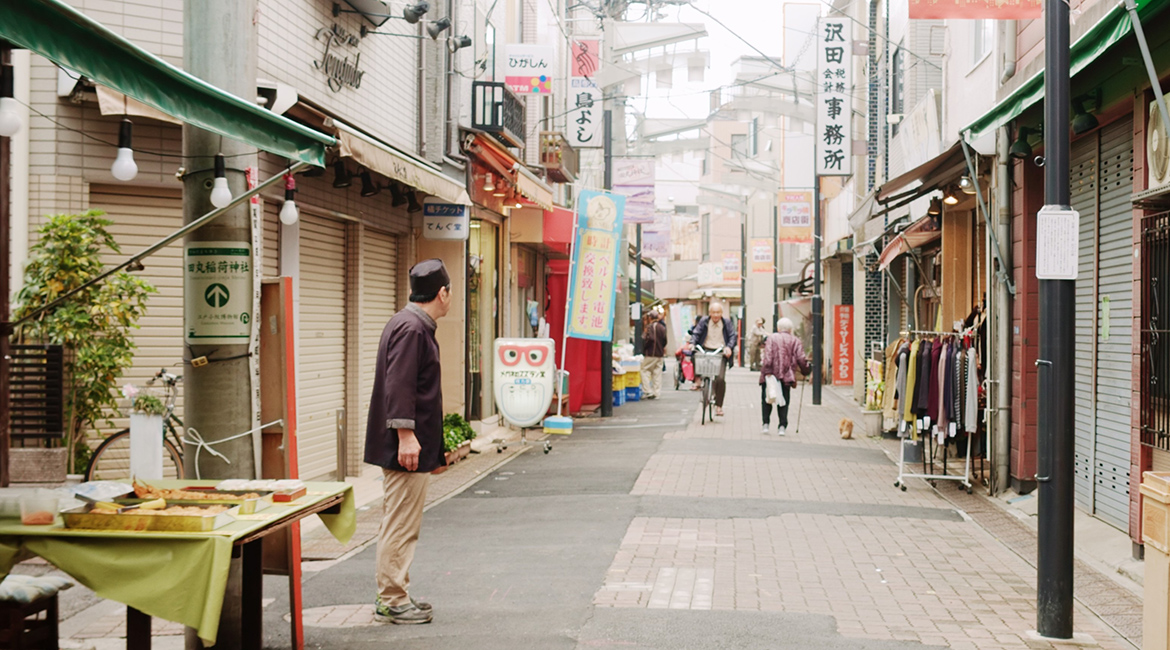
[218, 295]
[334, 62]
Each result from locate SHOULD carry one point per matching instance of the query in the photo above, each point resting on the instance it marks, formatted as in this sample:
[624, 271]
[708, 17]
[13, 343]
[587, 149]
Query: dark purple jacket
[699, 334]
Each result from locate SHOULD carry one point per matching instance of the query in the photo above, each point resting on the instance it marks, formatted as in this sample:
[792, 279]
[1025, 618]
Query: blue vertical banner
[593, 284]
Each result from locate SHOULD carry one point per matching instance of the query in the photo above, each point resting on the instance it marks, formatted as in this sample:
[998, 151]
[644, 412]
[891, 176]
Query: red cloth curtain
[584, 356]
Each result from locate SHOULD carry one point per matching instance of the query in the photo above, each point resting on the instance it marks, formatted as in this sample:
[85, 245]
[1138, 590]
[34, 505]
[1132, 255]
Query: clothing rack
[903, 471]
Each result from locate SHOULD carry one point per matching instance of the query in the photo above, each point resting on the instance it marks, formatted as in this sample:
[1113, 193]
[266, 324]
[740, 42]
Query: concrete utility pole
[607, 346]
[219, 46]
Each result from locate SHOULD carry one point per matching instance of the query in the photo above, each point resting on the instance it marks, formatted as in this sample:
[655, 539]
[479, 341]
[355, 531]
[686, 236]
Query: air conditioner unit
[1157, 148]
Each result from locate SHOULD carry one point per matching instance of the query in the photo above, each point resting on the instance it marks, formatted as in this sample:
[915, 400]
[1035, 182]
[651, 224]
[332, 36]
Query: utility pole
[638, 343]
[5, 261]
[1054, 586]
[742, 286]
[775, 264]
[220, 44]
[607, 346]
[818, 316]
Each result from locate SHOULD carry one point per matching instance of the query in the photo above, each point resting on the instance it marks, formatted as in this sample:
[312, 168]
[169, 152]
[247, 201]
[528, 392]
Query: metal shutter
[379, 302]
[1083, 184]
[141, 217]
[321, 362]
[1102, 178]
[1114, 354]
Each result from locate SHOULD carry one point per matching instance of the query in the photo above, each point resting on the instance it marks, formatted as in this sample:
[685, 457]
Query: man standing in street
[404, 435]
[653, 352]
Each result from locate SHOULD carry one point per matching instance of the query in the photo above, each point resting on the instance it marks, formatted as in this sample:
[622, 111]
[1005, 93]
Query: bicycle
[707, 367]
[111, 459]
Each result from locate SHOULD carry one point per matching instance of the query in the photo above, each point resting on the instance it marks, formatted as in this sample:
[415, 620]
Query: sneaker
[719, 411]
[408, 614]
[780, 431]
[424, 606]
[765, 430]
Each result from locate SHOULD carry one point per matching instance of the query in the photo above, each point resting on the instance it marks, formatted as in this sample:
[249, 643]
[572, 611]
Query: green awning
[70, 39]
[1113, 26]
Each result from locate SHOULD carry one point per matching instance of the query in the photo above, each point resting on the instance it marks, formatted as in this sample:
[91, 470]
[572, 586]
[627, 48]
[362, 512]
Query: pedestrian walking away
[653, 351]
[783, 355]
[756, 339]
[712, 332]
[404, 435]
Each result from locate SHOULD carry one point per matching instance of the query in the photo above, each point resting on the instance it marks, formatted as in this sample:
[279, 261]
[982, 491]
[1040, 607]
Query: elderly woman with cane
[783, 355]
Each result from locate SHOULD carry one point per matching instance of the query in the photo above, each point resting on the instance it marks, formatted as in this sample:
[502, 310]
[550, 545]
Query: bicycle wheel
[111, 459]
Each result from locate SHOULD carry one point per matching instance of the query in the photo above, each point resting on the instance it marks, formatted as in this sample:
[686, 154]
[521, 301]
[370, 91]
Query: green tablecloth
[179, 577]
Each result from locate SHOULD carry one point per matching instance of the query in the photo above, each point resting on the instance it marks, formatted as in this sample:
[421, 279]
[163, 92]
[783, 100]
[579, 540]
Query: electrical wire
[137, 151]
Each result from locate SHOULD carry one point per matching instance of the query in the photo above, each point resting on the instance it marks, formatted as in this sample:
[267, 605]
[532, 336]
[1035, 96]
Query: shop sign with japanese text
[834, 104]
[794, 217]
[634, 178]
[731, 272]
[218, 297]
[762, 256]
[710, 273]
[445, 220]
[529, 69]
[984, 9]
[334, 62]
[593, 285]
[843, 344]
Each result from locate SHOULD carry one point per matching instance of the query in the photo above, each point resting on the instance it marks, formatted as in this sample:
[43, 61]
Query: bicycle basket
[707, 365]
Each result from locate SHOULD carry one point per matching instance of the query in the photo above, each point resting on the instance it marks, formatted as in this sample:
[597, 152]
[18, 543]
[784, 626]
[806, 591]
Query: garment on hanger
[972, 412]
[907, 404]
[895, 378]
[922, 386]
[932, 390]
[940, 373]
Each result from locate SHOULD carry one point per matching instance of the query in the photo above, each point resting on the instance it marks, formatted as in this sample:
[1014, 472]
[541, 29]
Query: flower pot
[873, 423]
[146, 446]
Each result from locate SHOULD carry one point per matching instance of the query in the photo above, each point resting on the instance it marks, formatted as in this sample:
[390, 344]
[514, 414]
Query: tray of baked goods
[155, 515]
[249, 501]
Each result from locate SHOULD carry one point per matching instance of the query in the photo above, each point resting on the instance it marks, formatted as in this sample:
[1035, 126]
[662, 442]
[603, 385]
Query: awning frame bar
[137, 258]
[982, 206]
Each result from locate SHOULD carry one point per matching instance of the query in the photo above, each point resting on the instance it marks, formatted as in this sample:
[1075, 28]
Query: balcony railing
[558, 157]
[498, 111]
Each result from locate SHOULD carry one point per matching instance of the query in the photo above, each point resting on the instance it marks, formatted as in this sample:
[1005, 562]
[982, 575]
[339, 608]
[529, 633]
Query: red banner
[988, 9]
[843, 344]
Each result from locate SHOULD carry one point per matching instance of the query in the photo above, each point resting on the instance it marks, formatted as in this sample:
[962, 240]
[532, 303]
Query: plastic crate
[619, 397]
[633, 379]
[633, 394]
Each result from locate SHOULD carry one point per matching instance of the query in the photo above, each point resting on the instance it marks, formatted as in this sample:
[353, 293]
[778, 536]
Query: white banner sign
[443, 220]
[834, 149]
[1058, 243]
[529, 69]
[585, 128]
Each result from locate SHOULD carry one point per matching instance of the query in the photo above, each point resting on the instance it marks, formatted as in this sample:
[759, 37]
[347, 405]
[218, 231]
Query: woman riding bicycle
[712, 332]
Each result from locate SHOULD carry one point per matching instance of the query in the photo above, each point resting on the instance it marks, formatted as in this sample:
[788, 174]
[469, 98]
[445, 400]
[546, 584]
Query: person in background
[783, 355]
[653, 351]
[711, 332]
[404, 436]
[756, 338]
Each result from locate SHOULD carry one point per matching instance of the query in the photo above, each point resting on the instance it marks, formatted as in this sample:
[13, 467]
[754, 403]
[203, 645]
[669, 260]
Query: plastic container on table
[38, 508]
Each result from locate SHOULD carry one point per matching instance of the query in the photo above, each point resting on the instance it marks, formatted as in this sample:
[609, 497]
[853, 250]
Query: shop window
[739, 145]
[982, 38]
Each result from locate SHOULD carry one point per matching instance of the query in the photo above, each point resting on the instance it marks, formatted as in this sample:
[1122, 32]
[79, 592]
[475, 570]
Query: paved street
[649, 530]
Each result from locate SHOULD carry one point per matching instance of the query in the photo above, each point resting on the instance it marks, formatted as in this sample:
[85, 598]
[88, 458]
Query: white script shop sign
[334, 62]
[834, 105]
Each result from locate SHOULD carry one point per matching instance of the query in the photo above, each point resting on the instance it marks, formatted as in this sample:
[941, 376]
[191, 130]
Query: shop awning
[495, 156]
[392, 163]
[1108, 31]
[943, 168]
[920, 233]
[72, 40]
[532, 188]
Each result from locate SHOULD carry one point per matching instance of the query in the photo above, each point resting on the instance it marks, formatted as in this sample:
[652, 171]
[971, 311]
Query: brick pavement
[884, 575]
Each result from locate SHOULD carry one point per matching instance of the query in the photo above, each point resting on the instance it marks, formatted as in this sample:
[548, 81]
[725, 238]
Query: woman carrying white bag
[783, 354]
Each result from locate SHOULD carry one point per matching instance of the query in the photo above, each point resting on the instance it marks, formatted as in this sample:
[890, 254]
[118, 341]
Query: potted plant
[146, 432]
[875, 386]
[457, 436]
[94, 325]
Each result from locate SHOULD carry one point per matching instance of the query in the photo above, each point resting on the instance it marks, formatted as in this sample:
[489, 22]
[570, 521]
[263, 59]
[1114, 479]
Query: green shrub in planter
[456, 430]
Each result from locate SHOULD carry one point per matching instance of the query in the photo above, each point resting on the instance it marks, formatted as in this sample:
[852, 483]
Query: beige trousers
[651, 376]
[403, 497]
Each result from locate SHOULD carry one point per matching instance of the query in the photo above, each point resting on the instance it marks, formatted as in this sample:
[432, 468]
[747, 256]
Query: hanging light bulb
[288, 211]
[221, 195]
[950, 196]
[124, 167]
[488, 185]
[10, 122]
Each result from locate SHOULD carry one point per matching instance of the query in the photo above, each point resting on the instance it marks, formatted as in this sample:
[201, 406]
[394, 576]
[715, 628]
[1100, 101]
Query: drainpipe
[19, 177]
[1003, 315]
[1011, 31]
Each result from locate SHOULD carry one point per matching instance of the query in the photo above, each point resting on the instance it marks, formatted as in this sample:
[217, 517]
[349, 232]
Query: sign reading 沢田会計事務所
[834, 89]
[218, 293]
[593, 284]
